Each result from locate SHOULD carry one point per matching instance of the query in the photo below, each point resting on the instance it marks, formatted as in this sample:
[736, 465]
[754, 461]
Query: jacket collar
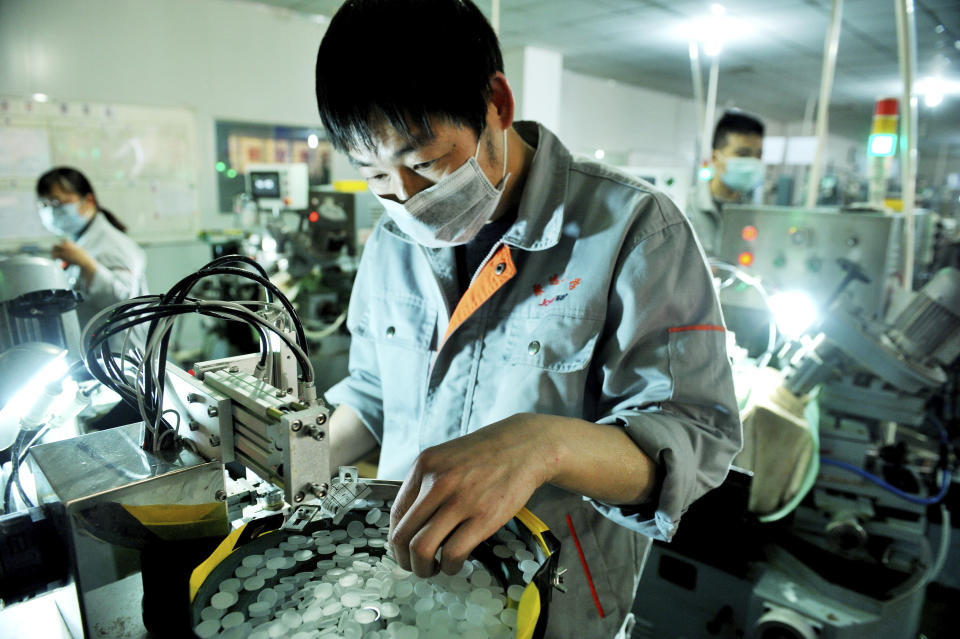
[540, 216]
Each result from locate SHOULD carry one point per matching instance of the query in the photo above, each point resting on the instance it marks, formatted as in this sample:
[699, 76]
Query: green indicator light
[740, 287]
[95, 153]
[221, 167]
[231, 174]
[705, 173]
[882, 144]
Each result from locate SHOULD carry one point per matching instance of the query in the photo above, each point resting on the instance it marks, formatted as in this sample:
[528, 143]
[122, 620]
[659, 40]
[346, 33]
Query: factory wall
[632, 125]
[641, 127]
[221, 59]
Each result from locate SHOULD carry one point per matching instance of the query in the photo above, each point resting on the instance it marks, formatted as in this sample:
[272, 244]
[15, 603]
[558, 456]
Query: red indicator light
[749, 233]
[314, 216]
[745, 258]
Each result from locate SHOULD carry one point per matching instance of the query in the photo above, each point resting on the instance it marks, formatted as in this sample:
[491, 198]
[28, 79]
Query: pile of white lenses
[344, 583]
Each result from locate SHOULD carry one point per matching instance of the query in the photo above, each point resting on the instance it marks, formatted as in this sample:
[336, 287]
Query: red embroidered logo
[555, 280]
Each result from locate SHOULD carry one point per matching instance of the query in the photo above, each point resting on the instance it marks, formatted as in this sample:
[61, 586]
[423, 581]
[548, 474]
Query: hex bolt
[234, 369]
[319, 490]
[214, 440]
[299, 497]
[221, 495]
[273, 500]
[195, 398]
[321, 420]
[194, 426]
[281, 392]
[212, 411]
[557, 579]
[296, 425]
[318, 434]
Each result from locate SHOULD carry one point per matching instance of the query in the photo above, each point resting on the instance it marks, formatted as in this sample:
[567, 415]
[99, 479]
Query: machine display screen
[265, 184]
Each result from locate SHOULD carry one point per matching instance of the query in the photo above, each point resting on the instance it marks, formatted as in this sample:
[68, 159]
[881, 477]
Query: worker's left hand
[460, 492]
[70, 253]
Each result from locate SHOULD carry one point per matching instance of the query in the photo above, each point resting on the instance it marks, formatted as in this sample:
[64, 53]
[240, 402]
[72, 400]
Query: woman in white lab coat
[103, 264]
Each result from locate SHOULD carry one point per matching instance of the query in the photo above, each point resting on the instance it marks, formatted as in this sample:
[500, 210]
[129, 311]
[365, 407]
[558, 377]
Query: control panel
[795, 249]
[278, 186]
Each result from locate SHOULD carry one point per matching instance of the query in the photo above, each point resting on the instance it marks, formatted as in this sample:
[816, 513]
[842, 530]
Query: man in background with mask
[527, 328]
[737, 171]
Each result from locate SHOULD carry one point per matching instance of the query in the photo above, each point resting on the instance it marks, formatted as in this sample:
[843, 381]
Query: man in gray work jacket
[527, 328]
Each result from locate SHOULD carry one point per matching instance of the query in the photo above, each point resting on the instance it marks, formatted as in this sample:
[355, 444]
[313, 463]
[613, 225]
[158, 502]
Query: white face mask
[743, 174]
[452, 211]
[64, 219]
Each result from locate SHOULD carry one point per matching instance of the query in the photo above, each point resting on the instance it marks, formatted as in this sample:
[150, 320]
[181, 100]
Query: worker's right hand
[461, 492]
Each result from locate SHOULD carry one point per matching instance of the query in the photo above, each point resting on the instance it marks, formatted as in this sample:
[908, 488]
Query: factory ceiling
[772, 69]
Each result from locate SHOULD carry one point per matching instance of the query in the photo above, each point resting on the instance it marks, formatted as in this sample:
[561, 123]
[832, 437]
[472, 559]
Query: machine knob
[783, 623]
[845, 532]
[801, 237]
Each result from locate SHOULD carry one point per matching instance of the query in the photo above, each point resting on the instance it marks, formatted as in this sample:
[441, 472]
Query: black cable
[227, 259]
[149, 387]
[180, 291]
[101, 338]
[263, 281]
[17, 457]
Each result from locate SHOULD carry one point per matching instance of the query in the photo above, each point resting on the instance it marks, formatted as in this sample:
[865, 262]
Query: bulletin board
[141, 161]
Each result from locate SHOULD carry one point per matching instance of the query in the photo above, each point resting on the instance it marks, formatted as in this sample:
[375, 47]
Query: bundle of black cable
[148, 367]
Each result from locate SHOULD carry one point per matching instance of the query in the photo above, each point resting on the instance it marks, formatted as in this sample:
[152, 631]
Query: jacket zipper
[496, 247]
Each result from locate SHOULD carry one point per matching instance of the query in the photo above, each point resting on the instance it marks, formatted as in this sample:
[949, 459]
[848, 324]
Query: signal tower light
[883, 134]
[705, 173]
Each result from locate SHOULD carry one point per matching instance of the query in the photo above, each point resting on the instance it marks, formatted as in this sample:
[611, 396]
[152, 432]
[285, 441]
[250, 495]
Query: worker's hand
[70, 253]
[459, 493]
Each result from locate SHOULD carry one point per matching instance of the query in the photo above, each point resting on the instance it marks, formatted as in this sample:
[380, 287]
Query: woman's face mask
[452, 211]
[63, 219]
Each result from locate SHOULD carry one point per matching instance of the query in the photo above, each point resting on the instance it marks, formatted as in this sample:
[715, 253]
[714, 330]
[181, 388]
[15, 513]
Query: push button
[533, 347]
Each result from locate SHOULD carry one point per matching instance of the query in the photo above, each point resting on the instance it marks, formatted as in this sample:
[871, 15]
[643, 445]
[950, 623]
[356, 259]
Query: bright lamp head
[793, 311]
[27, 370]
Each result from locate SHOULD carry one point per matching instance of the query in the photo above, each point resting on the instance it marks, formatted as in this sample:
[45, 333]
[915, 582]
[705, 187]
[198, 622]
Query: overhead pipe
[697, 77]
[823, 107]
[907, 53]
[706, 142]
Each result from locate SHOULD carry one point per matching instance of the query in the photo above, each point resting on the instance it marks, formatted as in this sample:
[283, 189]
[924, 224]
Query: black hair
[735, 121]
[399, 62]
[73, 181]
